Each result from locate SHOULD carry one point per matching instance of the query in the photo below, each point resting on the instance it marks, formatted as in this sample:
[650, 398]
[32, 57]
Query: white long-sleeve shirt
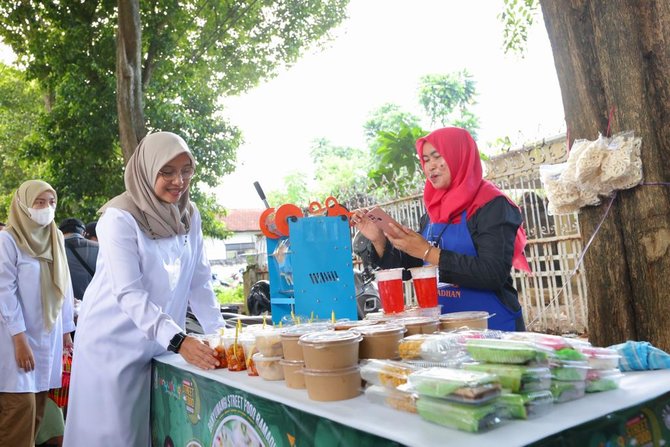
[132, 308]
[21, 311]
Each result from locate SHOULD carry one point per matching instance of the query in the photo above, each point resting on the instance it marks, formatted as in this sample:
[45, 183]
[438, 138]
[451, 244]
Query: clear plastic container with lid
[330, 349]
[525, 405]
[507, 351]
[601, 358]
[566, 391]
[471, 418]
[234, 352]
[603, 380]
[248, 342]
[268, 367]
[516, 378]
[268, 341]
[343, 325]
[380, 341]
[471, 387]
[569, 370]
[388, 373]
[391, 397]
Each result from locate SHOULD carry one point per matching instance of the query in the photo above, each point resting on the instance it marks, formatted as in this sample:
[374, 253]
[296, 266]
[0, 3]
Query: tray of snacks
[457, 385]
[516, 378]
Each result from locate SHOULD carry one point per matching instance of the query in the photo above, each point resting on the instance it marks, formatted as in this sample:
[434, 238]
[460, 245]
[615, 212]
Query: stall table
[191, 407]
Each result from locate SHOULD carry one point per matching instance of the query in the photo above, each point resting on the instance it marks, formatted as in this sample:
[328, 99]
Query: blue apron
[456, 237]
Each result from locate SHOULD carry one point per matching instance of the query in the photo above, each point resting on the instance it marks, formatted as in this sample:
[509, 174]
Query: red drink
[426, 291]
[391, 294]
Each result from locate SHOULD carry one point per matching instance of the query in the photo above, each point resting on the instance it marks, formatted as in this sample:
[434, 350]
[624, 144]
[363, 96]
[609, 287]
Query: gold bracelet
[425, 254]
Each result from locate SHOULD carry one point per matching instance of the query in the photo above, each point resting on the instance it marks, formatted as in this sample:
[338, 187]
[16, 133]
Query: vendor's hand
[198, 353]
[366, 226]
[407, 240]
[67, 343]
[24, 355]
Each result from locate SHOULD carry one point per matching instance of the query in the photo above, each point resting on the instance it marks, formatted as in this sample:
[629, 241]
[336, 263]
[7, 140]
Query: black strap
[81, 260]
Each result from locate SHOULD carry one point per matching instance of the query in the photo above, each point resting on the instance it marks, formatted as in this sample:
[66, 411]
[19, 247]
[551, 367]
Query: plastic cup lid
[389, 274]
[380, 329]
[427, 271]
[329, 337]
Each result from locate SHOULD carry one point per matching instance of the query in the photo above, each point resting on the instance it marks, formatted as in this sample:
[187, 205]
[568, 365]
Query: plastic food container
[419, 325]
[392, 397]
[339, 384]
[388, 373]
[234, 353]
[293, 373]
[248, 342]
[268, 367]
[569, 370]
[470, 387]
[526, 405]
[506, 351]
[566, 391]
[268, 342]
[215, 341]
[516, 378]
[469, 418]
[344, 325]
[290, 335]
[603, 380]
[471, 320]
[601, 358]
[380, 341]
[330, 349]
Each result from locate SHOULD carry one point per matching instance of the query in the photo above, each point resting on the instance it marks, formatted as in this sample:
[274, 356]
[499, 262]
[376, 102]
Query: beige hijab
[44, 243]
[156, 218]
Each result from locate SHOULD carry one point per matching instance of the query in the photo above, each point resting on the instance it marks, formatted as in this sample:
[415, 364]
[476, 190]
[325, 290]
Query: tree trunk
[129, 102]
[613, 56]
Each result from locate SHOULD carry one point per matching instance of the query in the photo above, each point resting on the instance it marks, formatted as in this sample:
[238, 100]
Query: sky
[380, 53]
[378, 56]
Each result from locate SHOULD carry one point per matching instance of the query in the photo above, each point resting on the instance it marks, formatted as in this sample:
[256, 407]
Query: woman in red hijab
[472, 232]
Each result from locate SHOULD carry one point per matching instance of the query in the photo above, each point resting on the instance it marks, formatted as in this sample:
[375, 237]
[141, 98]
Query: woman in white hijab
[36, 311]
[151, 266]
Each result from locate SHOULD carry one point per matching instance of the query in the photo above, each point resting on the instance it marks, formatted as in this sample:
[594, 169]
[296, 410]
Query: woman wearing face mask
[472, 232]
[151, 266]
[36, 313]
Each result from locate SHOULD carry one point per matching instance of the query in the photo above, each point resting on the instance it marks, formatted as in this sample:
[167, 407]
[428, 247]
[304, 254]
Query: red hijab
[468, 191]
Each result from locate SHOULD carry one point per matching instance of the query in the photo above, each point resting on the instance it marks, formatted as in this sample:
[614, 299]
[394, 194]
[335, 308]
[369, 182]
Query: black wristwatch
[176, 342]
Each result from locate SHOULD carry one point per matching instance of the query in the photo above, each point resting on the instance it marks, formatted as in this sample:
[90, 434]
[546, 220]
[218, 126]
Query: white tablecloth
[411, 430]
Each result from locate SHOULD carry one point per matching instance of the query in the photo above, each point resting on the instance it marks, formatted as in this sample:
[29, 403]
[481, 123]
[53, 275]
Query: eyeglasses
[186, 174]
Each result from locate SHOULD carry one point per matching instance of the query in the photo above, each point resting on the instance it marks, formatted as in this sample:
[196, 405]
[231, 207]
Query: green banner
[645, 425]
[192, 411]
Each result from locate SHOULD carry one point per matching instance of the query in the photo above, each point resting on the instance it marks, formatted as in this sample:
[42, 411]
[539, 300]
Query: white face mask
[42, 216]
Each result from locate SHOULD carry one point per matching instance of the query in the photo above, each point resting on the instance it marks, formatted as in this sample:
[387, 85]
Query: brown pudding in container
[337, 384]
[293, 373]
[290, 335]
[419, 325]
[469, 319]
[330, 349]
[380, 341]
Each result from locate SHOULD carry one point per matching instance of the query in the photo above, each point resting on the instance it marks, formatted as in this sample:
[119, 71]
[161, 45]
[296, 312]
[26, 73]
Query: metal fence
[554, 295]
